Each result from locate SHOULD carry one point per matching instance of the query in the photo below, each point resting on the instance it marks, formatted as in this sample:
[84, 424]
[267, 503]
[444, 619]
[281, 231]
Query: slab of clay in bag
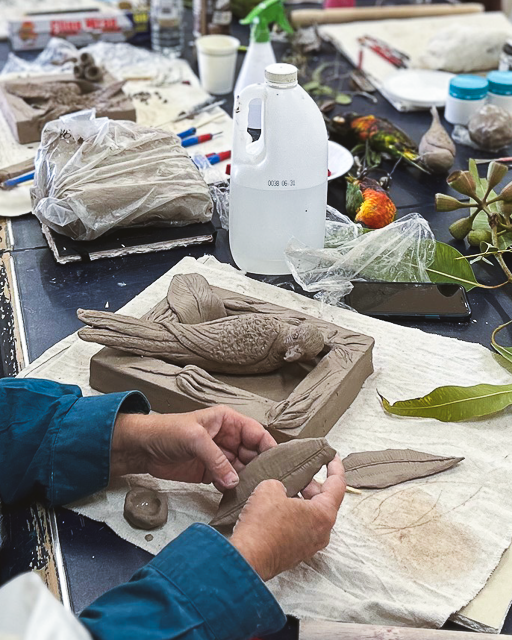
[300, 400]
[294, 463]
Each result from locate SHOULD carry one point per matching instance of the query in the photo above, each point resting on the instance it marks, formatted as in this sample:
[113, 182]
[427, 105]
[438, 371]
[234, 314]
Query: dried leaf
[294, 463]
[193, 301]
[380, 469]
[453, 404]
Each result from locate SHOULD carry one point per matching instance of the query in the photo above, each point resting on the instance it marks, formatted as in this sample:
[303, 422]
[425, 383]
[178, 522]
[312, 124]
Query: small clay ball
[491, 127]
[145, 508]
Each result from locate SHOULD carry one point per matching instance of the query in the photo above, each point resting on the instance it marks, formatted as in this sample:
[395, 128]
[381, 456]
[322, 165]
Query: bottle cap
[467, 87]
[500, 82]
[281, 73]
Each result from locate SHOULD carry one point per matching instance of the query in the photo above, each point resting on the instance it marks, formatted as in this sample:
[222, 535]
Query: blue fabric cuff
[80, 462]
[226, 591]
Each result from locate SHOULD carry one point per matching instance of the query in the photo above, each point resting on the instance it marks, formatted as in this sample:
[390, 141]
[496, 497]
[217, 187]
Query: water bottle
[167, 27]
[278, 183]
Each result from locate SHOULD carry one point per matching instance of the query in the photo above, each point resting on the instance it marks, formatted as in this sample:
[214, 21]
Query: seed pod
[460, 228]
[447, 203]
[463, 182]
[436, 148]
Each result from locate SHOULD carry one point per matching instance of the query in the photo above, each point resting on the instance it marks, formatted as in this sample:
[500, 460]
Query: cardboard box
[81, 28]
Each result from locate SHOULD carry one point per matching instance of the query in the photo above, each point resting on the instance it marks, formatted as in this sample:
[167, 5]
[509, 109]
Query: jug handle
[240, 135]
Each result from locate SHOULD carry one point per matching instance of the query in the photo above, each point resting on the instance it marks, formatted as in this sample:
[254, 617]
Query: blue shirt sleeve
[197, 588]
[55, 444]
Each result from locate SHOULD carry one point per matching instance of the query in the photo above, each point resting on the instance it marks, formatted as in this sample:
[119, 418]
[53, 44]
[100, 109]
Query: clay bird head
[301, 342]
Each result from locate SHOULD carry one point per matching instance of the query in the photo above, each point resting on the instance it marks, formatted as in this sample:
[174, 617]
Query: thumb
[217, 465]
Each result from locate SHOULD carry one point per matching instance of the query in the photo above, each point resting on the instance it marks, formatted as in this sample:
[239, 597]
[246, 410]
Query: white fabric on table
[408, 555]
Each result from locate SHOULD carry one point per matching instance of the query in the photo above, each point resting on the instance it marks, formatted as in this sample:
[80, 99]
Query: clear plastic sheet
[400, 252]
[122, 60]
[220, 196]
[95, 174]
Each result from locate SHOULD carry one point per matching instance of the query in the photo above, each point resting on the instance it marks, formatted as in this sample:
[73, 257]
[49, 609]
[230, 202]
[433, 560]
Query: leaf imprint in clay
[294, 463]
[381, 469]
[145, 508]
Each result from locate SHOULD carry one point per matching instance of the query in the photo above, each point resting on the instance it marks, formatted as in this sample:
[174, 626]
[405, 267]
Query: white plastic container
[466, 96]
[216, 57]
[278, 183]
[500, 89]
[258, 57]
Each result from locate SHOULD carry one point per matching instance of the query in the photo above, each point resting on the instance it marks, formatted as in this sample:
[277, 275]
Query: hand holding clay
[205, 446]
[270, 517]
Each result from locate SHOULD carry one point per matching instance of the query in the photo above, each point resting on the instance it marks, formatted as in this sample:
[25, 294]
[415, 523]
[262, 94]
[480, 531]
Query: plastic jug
[278, 183]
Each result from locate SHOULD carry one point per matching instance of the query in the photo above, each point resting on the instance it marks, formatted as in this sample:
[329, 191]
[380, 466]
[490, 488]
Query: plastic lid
[466, 87]
[281, 73]
[500, 82]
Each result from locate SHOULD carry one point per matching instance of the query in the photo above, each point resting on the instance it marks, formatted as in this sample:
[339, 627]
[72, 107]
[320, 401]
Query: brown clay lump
[145, 508]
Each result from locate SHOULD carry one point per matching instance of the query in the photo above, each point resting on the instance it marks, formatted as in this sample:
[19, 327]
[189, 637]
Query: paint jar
[465, 97]
[216, 57]
[500, 89]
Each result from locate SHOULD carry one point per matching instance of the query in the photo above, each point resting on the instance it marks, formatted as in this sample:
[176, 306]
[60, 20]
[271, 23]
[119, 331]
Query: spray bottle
[260, 53]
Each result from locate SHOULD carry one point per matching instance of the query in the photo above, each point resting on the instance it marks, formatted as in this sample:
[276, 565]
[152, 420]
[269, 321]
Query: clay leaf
[380, 469]
[453, 404]
[294, 463]
[192, 300]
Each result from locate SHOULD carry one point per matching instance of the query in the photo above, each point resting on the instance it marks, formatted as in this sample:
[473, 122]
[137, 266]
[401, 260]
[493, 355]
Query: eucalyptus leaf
[453, 404]
[343, 98]
[311, 86]
[381, 469]
[450, 266]
[505, 352]
[503, 362]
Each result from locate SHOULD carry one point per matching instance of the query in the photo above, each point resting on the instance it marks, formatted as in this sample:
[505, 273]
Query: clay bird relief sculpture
[247, 344]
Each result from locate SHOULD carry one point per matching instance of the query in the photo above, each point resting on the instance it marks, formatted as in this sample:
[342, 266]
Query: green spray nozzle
[262, 15]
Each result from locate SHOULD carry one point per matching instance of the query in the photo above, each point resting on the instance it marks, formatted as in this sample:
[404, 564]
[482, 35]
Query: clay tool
[17, 169]
[14, 182]
[201, 108]
[215, 158]
[193, 140]
[397, 58]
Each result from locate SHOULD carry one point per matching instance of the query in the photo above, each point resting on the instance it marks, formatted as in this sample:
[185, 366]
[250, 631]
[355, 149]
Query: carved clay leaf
[191, 298]
[294, 463]
[380, 469]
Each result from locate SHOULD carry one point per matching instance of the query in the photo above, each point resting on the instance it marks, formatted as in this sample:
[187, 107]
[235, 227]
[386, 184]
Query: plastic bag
[96, 174]
[400, 252]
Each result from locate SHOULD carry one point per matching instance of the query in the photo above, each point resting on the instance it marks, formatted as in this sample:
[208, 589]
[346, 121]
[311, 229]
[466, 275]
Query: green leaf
[450, 266]
[505, 352]
[343, 98]
[311, 86]
[453, 404]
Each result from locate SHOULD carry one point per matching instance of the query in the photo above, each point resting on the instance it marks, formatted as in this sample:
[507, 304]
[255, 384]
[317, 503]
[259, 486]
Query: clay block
[293, 463]
[299, 400]
[26, 122]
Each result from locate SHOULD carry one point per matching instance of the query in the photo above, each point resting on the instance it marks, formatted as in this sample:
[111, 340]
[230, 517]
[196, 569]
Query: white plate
[340, 160]
[419, 87]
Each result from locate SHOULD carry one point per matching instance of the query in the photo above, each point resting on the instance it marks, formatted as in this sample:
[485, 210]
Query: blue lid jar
[467, 87]
[500, 82]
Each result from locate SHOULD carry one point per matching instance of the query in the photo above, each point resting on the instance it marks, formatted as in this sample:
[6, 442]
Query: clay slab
[300, 400]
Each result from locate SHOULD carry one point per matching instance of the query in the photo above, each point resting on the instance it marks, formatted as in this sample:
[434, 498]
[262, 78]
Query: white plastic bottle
[278, 183]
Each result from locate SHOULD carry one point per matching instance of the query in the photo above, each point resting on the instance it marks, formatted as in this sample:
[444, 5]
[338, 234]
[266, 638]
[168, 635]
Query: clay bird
[368, 202]
[381, 135]
[245, 344]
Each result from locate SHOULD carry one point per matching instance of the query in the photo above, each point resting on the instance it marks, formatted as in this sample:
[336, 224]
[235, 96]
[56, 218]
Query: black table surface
[95, 558]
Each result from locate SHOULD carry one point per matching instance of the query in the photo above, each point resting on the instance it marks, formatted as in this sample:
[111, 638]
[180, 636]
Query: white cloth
[28, 611]
[408, 555]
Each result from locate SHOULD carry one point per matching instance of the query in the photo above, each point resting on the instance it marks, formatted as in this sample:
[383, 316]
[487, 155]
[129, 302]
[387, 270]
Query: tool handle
[189, 142]
[241, 139]
[15, 181]
[187, 133]
[305, 17]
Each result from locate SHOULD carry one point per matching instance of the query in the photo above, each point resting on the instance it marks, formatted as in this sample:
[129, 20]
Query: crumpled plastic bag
[400, 252]
[96, 174]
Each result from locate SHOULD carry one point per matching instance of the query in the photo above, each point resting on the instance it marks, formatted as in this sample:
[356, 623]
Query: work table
[43, 300]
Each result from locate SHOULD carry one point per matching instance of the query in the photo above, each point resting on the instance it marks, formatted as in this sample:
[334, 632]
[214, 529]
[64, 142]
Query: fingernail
[230, 479]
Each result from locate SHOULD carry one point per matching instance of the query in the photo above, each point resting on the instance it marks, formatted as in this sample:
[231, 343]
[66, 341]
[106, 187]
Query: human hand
[275, 533]
[210, 445]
